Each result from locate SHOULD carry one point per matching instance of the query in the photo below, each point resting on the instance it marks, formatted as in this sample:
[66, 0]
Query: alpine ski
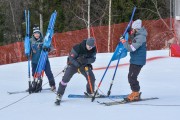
[25, 91]
[100, 96]
[125, 101]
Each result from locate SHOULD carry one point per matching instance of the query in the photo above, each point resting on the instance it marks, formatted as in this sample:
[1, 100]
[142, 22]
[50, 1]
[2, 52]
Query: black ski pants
[134, 71]
[70, 71]
[47, 71]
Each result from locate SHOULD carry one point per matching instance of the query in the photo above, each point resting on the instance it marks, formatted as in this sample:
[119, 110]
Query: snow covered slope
[160, 77]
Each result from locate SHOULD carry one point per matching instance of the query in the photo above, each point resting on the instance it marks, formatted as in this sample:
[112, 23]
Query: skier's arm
[91, 59]
[73, 58]
[87, 58]
[133, 46]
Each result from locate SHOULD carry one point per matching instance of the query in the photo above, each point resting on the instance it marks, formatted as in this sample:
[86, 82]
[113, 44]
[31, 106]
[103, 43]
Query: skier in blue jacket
[136, 45]
[36, 43]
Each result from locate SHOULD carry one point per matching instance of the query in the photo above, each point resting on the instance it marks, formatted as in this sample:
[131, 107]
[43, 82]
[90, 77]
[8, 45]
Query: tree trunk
[109, 31]
[41, 16]
[16, 35]
[88, 28]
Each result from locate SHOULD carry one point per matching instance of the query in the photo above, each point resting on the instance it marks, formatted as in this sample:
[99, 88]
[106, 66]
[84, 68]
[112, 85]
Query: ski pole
[109, 92]
[89, 80]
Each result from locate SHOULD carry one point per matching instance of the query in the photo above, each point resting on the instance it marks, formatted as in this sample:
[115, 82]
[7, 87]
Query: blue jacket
[137, 48]
[36, 48]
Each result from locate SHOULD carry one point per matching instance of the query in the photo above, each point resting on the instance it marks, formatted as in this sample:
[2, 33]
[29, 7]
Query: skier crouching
[80, 58]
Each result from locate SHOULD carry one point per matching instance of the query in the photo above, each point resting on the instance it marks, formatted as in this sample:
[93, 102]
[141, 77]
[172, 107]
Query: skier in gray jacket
[136, 45]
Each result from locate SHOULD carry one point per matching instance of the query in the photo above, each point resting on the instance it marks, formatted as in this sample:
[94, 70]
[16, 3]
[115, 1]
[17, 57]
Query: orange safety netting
[158, 34]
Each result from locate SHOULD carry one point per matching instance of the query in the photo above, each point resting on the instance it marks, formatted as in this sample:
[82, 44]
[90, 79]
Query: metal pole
[170, 14]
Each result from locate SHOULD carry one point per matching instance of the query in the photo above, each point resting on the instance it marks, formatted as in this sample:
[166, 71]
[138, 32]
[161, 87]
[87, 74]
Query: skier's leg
[134, 71]
[70, 71]
[92, 80]
[33, 68]
[33, 84]
[49, 74]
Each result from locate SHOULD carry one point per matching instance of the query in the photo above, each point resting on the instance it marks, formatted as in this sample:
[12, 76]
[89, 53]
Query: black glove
[46, 49]
[82, 60]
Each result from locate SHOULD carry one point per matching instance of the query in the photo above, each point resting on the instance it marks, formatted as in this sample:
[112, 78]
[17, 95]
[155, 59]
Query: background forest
[72, 14]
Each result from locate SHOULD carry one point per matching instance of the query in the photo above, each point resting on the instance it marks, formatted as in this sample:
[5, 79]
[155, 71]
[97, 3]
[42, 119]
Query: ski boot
[134, 96]
[58, 99]
[38, 86]
[53, 88]
[33, 86]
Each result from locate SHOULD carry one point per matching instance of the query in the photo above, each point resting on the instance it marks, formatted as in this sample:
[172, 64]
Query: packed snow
[158, 78]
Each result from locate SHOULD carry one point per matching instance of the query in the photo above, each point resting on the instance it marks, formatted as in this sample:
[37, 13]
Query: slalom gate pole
[47, 43]
[93, 98]
[129, 24]
[109, 92]
[27, 46]
[29, 76]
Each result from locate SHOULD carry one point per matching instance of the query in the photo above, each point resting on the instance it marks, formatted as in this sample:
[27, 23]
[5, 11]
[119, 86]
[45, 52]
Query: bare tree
[88, 28]
[40, 15]
[109, 31]
[13, 19]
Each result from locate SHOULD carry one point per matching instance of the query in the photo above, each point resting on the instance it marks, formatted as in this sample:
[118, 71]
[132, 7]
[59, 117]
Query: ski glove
[45, 49]
[82, 60]
[130, 41]
[122, 41]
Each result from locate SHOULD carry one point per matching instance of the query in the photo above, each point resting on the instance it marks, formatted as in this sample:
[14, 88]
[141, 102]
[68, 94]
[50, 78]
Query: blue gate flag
[120, 51]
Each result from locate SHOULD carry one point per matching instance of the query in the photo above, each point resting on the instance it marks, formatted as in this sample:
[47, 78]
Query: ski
[24, 91]
[101, 96]
[125, 101]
